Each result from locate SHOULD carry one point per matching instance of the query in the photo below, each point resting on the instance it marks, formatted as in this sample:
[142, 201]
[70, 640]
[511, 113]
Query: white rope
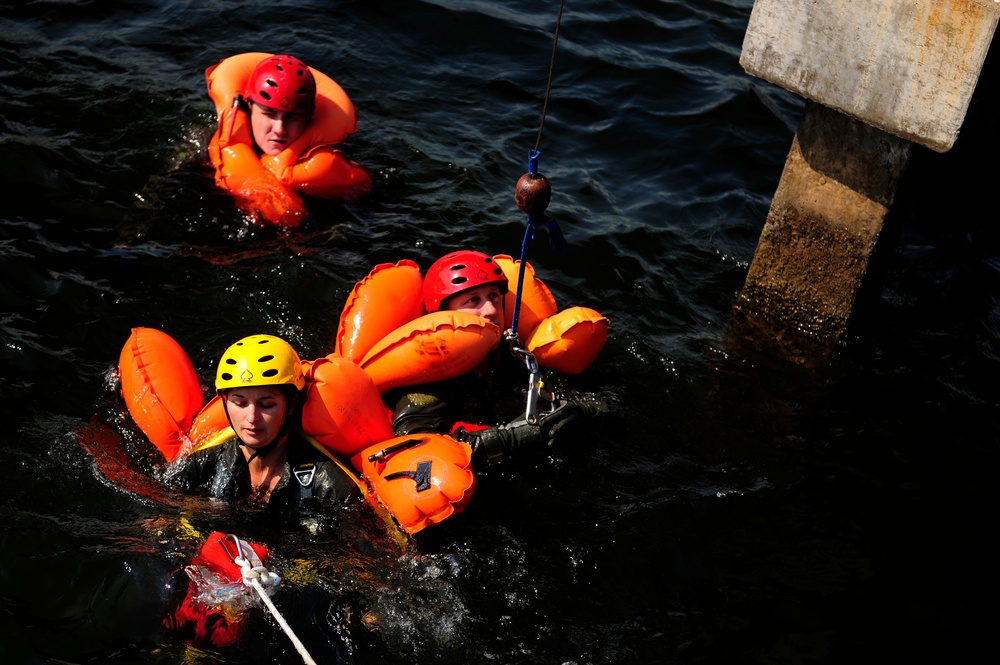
[257, 576]
[281, 622]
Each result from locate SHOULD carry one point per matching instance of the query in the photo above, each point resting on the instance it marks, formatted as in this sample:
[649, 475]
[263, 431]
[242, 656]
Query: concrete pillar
[879, 76]
[838, 183]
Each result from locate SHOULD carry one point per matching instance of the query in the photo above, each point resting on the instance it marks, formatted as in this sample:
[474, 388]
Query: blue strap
[557, 242]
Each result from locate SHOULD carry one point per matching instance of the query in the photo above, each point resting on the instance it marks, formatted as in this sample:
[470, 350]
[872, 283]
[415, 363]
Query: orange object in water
[570, 340]
[160, 387]
[210, 425]
[270, 185]
[537, 301]
[434, 347]
[343, 409]
[388, 297]
[421, 479]
[200, 622]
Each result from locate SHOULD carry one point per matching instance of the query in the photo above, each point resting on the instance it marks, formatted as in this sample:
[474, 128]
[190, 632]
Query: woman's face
[484, 301]
[275, 130]
[257, 413]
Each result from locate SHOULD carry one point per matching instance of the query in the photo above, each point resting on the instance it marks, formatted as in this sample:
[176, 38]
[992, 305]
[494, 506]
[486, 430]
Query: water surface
[730, 510]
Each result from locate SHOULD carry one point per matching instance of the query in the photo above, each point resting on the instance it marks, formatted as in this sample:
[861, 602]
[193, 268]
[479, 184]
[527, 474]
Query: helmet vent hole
[268, 373]
[460, 280]
[266, 359]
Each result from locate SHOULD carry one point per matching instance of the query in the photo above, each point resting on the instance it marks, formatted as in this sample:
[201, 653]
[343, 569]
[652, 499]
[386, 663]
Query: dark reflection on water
[729, 510]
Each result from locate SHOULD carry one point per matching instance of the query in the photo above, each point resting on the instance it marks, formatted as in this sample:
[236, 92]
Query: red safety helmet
[457, 272]
[283, 82]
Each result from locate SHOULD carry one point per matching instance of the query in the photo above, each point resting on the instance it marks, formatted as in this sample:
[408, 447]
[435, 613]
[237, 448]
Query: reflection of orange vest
[270, 184]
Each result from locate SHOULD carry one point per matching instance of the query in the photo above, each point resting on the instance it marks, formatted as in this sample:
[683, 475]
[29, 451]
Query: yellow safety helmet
[259, 360]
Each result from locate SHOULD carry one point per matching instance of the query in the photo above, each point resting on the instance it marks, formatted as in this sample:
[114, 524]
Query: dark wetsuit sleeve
[426, 408]
[333, 485]
[200, 468]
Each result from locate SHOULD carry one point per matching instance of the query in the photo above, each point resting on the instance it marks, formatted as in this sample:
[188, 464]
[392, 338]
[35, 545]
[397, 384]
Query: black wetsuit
[489, 396]
[309, 475]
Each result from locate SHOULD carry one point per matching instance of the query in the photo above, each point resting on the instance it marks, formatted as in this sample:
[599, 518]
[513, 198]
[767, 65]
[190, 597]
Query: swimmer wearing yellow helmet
[269, 461]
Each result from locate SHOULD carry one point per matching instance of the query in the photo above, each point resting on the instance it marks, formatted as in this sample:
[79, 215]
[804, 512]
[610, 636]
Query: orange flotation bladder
[434, 347]
[565, 341]
[537, 301]
[343, 409]
[568, 341]
[390, 296]
[160, 388]
[211, 425]
[269, 185]
[421, 479]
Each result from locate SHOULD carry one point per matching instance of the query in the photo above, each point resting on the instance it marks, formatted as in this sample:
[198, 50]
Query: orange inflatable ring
[421, 479]
[343, 409]
[160, 388]
[537, 301]
[390, 296]
[568, 341]
[269, 185]
[434, 347]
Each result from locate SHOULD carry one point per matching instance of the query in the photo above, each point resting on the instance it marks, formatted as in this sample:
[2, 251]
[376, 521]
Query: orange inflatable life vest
[343, 409]
[390, 296]
[343, 416]
[160, 387]
[434, 347]
[569, 340]
[421, 479]
[270, 185]
[382, 328]
[566, 341]
[537, 302]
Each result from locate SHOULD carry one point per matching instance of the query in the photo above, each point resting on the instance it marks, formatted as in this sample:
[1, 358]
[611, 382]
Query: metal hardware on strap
[536, 386]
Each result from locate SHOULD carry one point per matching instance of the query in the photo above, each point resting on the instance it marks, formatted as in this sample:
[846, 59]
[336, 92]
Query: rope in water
[284, 624]
[255, 575]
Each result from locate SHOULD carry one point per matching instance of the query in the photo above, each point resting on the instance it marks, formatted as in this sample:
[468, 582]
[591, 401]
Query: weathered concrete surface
[908, 67]
[839, 181]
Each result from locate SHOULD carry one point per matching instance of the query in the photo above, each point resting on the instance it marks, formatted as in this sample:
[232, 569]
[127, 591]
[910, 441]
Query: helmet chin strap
[261, 452]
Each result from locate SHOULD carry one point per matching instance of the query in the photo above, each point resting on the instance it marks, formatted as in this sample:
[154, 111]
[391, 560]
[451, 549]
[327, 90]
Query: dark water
[731, 510]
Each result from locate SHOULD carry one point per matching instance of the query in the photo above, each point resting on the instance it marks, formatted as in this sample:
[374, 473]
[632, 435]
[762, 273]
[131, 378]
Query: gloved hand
[499, 443]
[563, 417]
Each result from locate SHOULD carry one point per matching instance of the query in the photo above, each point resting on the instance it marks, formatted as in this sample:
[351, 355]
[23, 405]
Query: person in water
[269, 460]
[280, 100]
[471, 282]
[278, 122]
